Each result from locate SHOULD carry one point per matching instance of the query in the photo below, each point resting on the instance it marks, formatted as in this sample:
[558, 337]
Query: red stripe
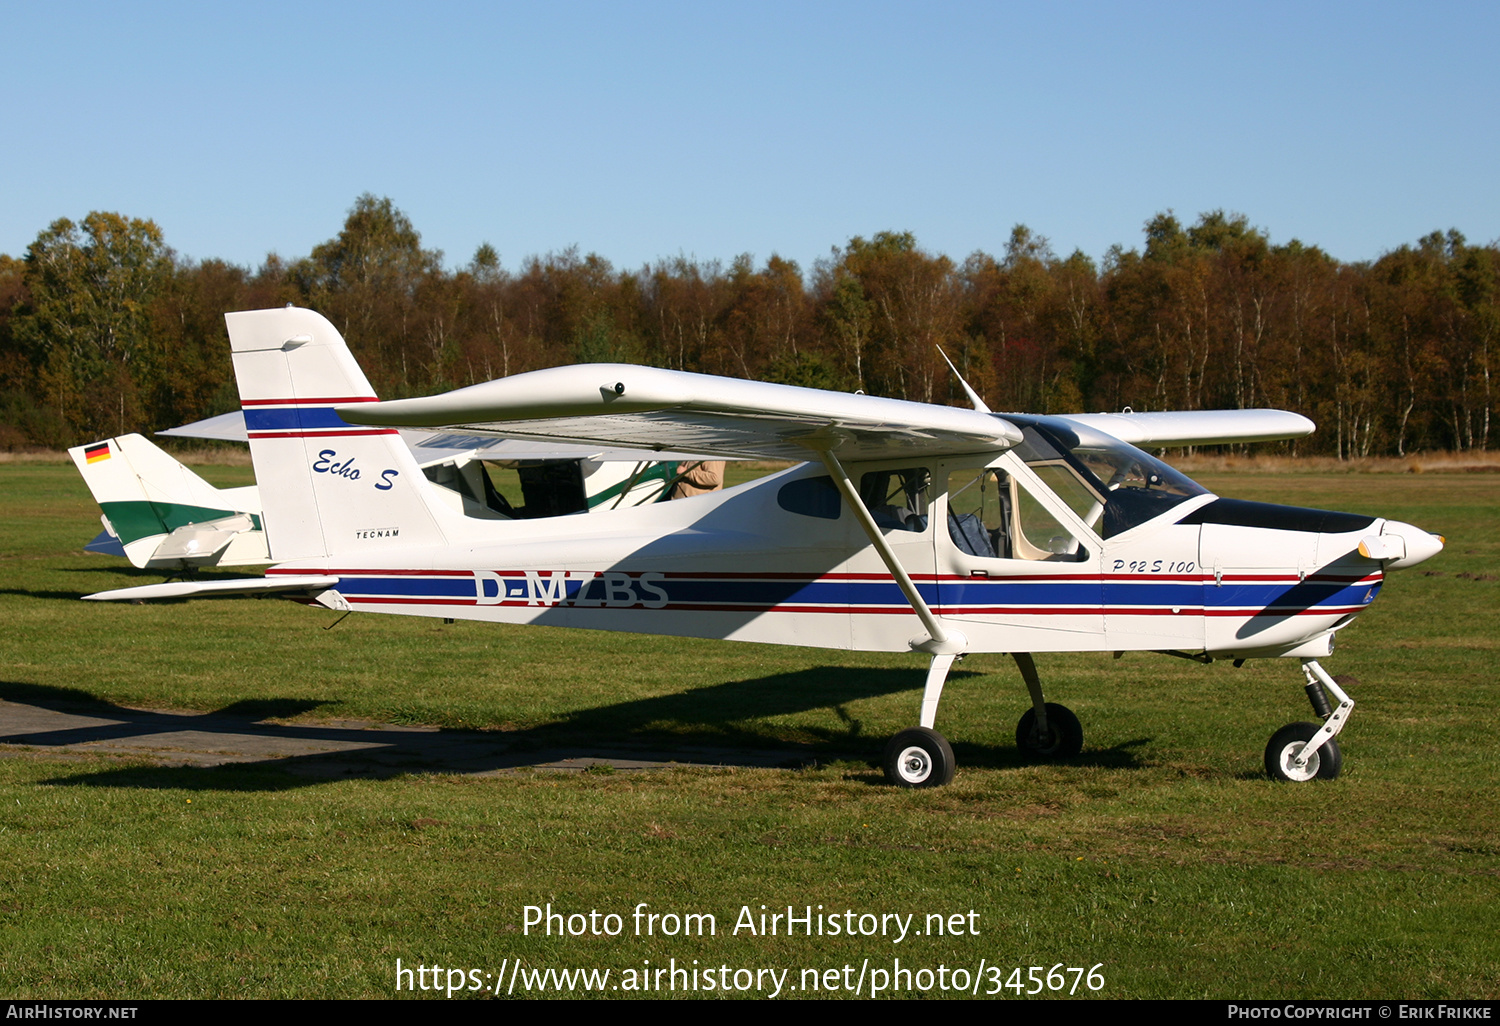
[686, 607]
[548, 574]
[373, 573]
[1274, 611]
[328, 401]
[323, 434]
[369, 600]
[1020, 610]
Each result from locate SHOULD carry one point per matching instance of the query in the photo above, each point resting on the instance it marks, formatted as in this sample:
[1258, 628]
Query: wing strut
[938, 642]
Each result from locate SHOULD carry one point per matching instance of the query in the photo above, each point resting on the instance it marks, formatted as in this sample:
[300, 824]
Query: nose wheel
[1300, 752]
[1289, 742]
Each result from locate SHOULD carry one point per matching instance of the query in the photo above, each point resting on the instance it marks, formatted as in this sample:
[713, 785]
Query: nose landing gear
[1285, 752]
[1300, 752]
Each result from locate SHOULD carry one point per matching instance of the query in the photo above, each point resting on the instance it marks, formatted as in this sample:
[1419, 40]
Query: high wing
[525, 441]
[1196, 427]
[657, 409]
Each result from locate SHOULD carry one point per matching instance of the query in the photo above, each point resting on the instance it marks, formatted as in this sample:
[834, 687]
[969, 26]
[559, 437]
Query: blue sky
[645, 131]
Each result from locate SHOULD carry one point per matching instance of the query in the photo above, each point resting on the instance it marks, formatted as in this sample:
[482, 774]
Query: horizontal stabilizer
[191, 589]
[105, 544]
[226, 427]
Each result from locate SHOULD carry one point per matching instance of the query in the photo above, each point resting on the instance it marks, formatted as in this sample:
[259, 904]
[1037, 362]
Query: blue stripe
[1283, 598]
[416, 587]
[980, 592]
[292, 419]
[1154, 593]
[1287, 597]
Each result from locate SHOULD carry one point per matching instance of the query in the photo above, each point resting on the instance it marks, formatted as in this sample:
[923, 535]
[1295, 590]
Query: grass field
[1162, 852]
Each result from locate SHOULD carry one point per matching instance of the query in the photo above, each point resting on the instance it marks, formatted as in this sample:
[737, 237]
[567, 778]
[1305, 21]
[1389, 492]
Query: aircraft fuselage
[780, 561]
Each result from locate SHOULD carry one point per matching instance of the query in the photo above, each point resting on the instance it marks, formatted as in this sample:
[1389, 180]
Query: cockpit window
[897, 499]
[994, 516]
[1111, 485]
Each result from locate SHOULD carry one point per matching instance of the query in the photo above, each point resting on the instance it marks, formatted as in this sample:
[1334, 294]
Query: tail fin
[329, 488]
[163, 514]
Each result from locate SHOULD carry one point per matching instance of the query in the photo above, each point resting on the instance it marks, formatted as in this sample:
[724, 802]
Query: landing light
[1382, 546]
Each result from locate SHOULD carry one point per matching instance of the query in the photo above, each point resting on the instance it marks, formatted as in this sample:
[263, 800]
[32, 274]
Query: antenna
[973, 395]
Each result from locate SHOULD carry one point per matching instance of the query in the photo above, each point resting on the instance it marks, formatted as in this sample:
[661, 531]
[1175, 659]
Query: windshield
[1110, 484]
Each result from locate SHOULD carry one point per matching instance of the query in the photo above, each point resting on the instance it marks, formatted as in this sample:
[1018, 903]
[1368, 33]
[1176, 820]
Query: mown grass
[1161, 852]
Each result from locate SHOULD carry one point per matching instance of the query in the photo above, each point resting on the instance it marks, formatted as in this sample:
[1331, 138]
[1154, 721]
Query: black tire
[1326, 763]
[1064, 734]
[919, 757]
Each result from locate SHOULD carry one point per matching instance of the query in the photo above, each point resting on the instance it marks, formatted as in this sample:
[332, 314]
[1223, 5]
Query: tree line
[104, 330]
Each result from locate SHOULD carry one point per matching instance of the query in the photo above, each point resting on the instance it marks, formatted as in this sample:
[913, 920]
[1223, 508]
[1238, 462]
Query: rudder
[329, 488]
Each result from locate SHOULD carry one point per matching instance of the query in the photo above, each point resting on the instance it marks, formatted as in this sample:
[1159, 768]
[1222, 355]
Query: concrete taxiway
[328, 748]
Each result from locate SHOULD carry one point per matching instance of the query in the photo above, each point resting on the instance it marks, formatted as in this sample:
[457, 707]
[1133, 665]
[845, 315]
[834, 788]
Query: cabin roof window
[1110, 484]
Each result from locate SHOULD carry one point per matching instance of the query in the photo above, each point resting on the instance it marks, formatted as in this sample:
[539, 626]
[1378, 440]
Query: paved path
[332, 748]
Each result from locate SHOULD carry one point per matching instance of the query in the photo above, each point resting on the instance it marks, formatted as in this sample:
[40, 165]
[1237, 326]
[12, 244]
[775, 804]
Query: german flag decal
[97, 453]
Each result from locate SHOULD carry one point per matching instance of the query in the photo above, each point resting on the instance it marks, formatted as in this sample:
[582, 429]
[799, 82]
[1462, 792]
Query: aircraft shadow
[708, 728]
[36, 593]
[233, 748]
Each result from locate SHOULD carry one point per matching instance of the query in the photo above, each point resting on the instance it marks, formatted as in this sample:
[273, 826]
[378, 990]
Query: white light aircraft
[907, 527]
[160, 515]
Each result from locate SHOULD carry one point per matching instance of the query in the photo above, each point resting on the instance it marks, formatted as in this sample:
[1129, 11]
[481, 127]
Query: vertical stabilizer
[329, 488]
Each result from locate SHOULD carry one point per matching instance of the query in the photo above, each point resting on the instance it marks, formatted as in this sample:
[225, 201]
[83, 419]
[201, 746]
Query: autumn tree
[1473, 337]
[764, 320]
[684, 308]
[491, 334]
[366, 280]
[1008, 302]
[191, 375]
[86, 324]
[913, 302]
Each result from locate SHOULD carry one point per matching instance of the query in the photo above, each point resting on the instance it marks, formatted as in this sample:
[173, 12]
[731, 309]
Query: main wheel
[1287, 742]
[919, 757]
[1064, 737]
